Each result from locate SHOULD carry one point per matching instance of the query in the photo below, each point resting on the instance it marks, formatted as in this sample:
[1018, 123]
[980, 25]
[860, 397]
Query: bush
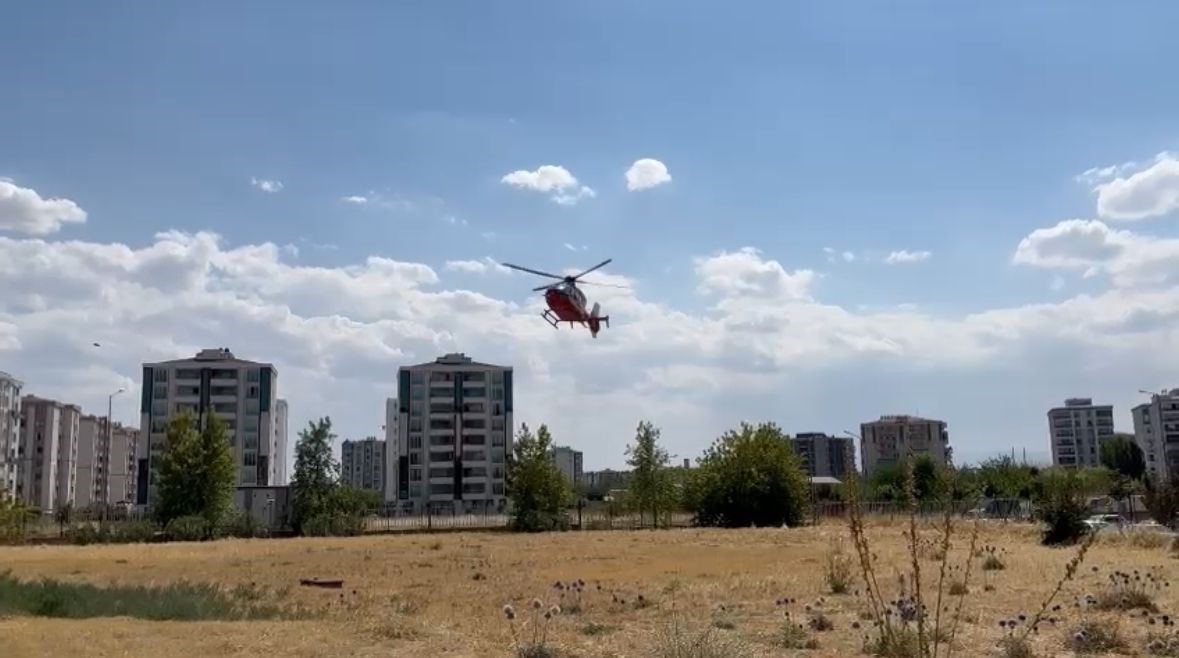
[244, 526]
[839, 571]
[1061, 505]
[675, 641]
[85, 534]
[333, 525]
[1095, 636]
[187, 528]
[793, 636]
[133, 532]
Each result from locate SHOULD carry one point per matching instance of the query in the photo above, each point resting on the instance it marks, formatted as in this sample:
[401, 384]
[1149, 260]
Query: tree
[316, 473]
[651, 486]
[1162, 500]
[197, 473]
[1122, 455]
[539, 492]
[1003, 478]
[1060, 504]
[750, 476]
[930, 482]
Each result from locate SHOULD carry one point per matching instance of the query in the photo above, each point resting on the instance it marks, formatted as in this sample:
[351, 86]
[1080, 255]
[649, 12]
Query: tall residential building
[243, 394]
[891, 439]
[281, 455]
[48, 452]
[568, 461]
[93, 455]
[1156, 430]
[106, 462]
[9, 433]
[120, 483]
[1077, 431]
[825, 456]
[454, 433]
[390, 428]
[362, 464]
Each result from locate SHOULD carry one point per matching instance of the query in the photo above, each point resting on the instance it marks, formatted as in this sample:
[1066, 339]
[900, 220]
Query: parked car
[1100, 521]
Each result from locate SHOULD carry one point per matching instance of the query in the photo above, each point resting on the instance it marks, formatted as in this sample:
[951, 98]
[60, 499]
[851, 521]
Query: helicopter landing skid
[551, 318]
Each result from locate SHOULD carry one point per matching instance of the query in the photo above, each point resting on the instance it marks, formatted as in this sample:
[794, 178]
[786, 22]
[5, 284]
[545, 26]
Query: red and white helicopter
[566, 302]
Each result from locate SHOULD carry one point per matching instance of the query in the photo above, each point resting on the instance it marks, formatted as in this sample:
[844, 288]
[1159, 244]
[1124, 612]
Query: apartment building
[390, 428]
[48, 454]
[824, 455]
[242, 394]
[120, 472]
[106, 462]
[10, 388]
[1077, 430]
[568, 461]
[1156, 430]
[362, 464]
[454, 433]
[281, 413]
[891, 439]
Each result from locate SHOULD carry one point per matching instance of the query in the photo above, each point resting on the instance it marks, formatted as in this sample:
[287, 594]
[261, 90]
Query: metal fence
[495, 521]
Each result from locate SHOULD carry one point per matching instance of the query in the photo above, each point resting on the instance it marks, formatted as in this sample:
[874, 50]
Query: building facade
[362, 464]
[568, 461]
[93, 453]
[823, 455]
[891, 439]
[281, 413]
[1156, 430]
[10, 388]
[454, 434]
[120, 472]
[1077, 430]
[242, 394]
[48, 454]
[391, 439]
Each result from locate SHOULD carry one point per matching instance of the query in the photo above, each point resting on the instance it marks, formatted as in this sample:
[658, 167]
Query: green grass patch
[180, 601]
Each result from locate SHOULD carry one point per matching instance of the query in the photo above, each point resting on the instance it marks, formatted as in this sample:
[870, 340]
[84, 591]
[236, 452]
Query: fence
[495, 521]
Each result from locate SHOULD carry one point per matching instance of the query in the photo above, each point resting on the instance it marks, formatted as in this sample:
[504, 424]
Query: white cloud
[646, 173]
[22, 210]
[484, 266]
[906, 256]
[269, 186]
[848, 256]
[745, 272]
[1147, 193]
[1092, 247]
[575, 248]
[555, 180]
[355, 199]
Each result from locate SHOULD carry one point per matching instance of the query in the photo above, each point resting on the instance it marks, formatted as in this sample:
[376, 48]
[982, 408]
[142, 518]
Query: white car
[1099, 521]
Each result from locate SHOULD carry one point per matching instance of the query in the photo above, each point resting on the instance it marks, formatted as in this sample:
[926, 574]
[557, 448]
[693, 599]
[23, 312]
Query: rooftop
[904, 418]
[213, 355]
[456, 359]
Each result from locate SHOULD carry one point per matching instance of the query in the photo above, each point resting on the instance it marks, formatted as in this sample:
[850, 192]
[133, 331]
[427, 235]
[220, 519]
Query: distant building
[48, 452]
[568, 461]
[391, 439]
[1077, 430]
[824, 455]
[120, 483]
[891, 439]
[602, 482]
[243, 394]
[282, 454]
[362, 464]
[1156, 430]
[454, 434]
[10, 388]
[93, 451]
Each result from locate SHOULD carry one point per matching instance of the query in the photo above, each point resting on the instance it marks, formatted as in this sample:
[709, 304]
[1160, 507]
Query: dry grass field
[443, 595]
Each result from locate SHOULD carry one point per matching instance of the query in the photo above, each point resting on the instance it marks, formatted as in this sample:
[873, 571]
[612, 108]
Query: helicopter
[566, 302]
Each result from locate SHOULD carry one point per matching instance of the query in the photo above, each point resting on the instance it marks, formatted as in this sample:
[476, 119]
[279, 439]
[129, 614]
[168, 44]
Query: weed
[820, 622]
[793, 636]
[724, 623]
[992, 559]
[902, 642]
[1015, 647]
[594, 629]
[675, 641]
[1163, 645]
[530, 639]
[1096, 636]
[436, 546]
[1126, 591]
[838, 572]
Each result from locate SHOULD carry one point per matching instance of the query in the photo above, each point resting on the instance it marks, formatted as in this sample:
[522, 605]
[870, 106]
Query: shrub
[85, 534]
[899, 642]
[1129, 592]
[793, 636]
[1014, 646]
[243, 525]
[675, 641]
[1163, 645]
[1061, 506]
[133, 532]
[187, 528]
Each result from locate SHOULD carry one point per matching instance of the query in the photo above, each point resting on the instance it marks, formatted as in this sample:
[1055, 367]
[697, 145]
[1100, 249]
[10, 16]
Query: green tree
[1162, 500]
[1003, 478]
[1122, 455]
[1060, 503]
[651, 486]
[197, 473]
[316, 473]
[750, 476]
[930, 482]
[539, 493]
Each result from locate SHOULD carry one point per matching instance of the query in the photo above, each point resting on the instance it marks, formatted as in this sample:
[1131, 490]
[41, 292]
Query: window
[223, 390]
[250, 459]
[159, 375]
[441, 408]
[474, 407]
[497, 456]
[188, 373]
[415, 475]
[159, 408]
[225, 408]
[497, 439]
[474, 376]
[497, 392]
[415, 442]
[160, 392]
[417, 393]
[441, 456]
[437, 441]
[475, 472]
[223, 374]
[251, 406]
[251, 391]
[474, 488]
[474, 455]
[474, 439]
[441, 423]
[417, 377]
[441, 472]
[439, 376]
[416, 408]
[497, 377]
[415, 457]
[497, 488]
[441, 489]
[474, 423]
[474, 392]
[497, 423]
[441, 392]
[253, 375]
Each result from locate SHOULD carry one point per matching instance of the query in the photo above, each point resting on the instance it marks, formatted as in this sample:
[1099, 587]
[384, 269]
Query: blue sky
[860, 127]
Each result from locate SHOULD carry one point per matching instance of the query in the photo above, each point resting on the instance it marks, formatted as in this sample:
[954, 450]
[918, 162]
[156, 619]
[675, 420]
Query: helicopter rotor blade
[604, 285]
[531, 271]
[545, 287]
[599, 265]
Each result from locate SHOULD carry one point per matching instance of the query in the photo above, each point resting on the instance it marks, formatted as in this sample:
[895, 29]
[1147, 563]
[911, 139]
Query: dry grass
[416, 596]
